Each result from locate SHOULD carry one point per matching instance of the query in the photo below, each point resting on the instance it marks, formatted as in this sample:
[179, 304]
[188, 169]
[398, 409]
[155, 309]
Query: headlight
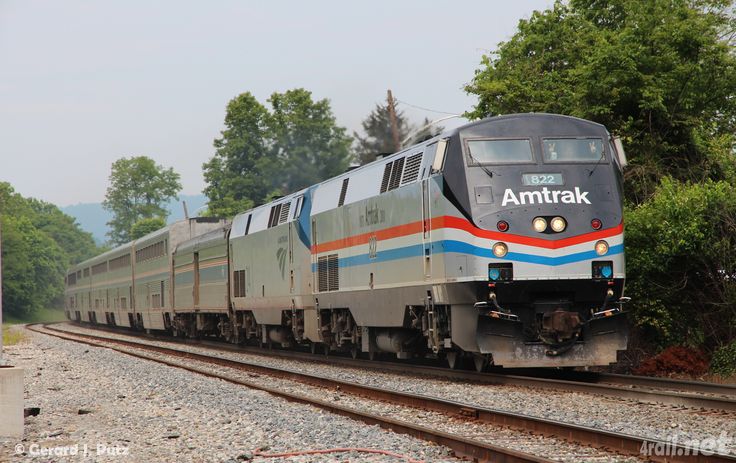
[539, 224]
[558, 224]
[500, 249]
[601, 248]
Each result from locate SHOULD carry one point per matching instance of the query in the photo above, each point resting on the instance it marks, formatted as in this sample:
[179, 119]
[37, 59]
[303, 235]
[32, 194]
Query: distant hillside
[93, 218]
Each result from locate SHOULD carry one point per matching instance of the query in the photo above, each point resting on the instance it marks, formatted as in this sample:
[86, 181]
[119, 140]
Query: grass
[12, 336]
[40, 316]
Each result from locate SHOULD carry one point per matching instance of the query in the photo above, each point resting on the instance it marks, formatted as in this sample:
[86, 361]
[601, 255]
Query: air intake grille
[328, 274]
[396, 170]
[239, 283]
[273, 218]
[411, 169]
[333, 273]
[284, 212]
[386, 176]
[322, 273]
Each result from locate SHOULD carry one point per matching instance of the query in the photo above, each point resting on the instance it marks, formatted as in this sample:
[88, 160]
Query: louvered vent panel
[322, 274]
[386, 176]
[396, 171]
[236, 284]
[343, 192]
[411, 169]
[239, 283]
[284, 212]
[333, 273]
[273, 219]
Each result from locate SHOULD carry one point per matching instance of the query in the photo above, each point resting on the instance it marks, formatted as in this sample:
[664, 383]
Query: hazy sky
[83, 83]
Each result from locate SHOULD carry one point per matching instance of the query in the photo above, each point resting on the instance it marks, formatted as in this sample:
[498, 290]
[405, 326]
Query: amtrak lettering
[372, 216]
[545, 196]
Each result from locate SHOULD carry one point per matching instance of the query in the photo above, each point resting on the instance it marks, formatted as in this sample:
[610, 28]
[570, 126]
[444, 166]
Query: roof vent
[396, 170]
[411, 169]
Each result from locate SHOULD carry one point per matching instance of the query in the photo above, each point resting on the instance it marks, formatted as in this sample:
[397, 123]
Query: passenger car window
[499, 151]
[572, 149]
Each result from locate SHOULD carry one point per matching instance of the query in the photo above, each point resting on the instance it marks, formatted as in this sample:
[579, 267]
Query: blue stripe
[465, 248]
[304, 223]
[439, 247]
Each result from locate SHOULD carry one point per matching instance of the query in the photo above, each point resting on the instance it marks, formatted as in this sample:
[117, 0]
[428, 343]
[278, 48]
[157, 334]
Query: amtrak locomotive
[500, 241]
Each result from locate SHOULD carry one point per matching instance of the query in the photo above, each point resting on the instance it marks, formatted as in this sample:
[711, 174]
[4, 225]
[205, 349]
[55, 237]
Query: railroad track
[479, 450]
[725, 391]
[708, 398]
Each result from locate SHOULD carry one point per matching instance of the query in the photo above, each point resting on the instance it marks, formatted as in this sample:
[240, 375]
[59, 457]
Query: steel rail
[463, 447]
[725, 390]
[664, 391]
[610, 441]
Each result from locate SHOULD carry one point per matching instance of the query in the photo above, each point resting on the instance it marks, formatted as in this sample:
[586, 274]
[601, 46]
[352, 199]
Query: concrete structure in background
[11, 383]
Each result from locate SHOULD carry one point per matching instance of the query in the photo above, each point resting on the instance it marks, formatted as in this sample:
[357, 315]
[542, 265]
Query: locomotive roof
[365, 180]
[540, 123]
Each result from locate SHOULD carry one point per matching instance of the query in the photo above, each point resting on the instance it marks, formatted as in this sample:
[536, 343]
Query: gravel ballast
[127, 409]
[651, 421]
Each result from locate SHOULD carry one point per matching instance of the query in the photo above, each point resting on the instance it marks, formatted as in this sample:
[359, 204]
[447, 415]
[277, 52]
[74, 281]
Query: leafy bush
[680, 263]
[724, 360]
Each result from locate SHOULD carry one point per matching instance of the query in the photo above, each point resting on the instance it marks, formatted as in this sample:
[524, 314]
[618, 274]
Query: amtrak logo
[545, 196]
[281, 256]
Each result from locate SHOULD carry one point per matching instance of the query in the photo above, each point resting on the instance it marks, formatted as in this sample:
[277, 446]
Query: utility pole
[394, 122]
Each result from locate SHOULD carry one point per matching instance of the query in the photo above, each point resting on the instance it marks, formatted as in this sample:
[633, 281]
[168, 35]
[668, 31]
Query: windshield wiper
[485, 169]
[603, 156]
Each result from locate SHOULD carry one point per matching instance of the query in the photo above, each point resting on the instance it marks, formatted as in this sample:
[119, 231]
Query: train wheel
[354, 352]
[326, 349]
[313, 347]
[372, 355]
[452, 360]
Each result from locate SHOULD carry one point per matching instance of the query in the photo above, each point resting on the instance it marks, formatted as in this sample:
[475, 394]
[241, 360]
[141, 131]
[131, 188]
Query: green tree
[378, 136]
[38, 244]
[139, 188]
[307, 141]
[145, 226]
[33, 267]
[235, 175]
[267, 152]
[77, 244]
[659, 73]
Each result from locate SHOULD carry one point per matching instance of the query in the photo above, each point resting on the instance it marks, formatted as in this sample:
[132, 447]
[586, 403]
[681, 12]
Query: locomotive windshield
[573, 149]
[499, 151]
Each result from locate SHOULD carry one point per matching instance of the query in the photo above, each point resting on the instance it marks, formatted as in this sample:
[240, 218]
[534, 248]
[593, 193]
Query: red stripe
[385, 234]
[463, 224]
